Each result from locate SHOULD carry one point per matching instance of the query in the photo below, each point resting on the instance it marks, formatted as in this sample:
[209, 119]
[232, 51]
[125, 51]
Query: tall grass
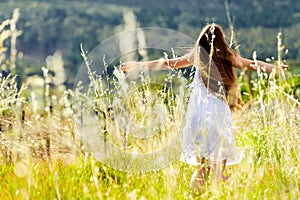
[267, 129]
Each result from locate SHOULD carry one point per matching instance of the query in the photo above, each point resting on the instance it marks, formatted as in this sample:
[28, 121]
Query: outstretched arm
[241, 62]
[161, 64]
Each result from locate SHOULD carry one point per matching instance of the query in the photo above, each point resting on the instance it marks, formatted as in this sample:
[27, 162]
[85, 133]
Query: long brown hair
[216, 64]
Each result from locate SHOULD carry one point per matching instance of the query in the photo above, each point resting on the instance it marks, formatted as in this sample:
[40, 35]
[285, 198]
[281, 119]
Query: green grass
[88, 179]
[267, 130]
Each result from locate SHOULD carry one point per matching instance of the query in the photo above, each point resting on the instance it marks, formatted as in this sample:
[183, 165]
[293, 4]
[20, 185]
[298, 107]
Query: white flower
[122, 80]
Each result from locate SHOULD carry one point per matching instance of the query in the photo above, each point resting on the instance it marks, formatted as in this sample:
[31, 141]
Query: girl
[208, 140]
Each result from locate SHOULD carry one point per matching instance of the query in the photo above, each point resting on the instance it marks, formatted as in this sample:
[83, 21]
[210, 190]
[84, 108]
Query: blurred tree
[62, 25]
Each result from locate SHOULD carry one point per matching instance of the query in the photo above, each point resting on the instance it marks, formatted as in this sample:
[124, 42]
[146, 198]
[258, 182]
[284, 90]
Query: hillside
[48, 26]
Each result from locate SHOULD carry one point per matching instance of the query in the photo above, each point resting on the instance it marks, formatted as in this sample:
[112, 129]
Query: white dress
[208, 130]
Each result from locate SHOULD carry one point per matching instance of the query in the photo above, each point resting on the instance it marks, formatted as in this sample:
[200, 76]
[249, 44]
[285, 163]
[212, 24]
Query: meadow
[43, 156]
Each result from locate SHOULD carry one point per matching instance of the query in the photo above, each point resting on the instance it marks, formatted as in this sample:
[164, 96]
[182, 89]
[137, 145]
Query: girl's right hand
[127, 66]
